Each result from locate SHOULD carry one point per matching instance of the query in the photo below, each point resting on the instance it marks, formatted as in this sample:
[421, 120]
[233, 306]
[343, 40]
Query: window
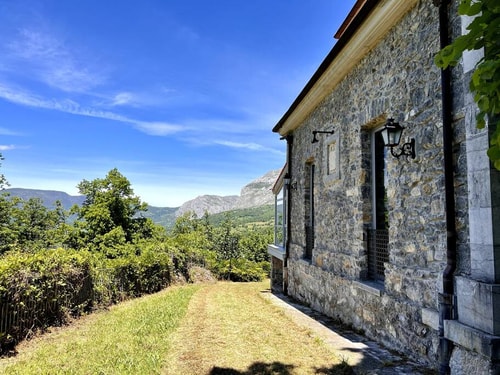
[280, 224]
[309, 209]
[378, 235]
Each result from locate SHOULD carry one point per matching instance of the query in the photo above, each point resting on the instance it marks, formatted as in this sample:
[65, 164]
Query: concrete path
[366, 356]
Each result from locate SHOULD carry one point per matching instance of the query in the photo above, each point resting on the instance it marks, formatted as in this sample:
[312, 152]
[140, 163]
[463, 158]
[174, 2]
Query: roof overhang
[364, 28]
[278, 184]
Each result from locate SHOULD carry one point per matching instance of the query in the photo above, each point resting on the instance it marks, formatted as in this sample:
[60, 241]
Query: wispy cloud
[248, 146]
[158, 128]
[48, 59]
[70, 106]
[7, 147]
[5, 131]
[123, 98]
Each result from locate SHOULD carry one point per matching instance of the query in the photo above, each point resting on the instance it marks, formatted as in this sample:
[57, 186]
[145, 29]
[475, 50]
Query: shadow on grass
[278, 368]
[257, 368]
[341, 369]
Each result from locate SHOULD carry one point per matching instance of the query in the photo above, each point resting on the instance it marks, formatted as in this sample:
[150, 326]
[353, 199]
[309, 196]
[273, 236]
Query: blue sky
[179, 95]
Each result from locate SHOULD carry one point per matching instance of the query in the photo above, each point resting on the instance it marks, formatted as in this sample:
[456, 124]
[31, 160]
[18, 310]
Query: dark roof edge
[341, 43]
[352, 14]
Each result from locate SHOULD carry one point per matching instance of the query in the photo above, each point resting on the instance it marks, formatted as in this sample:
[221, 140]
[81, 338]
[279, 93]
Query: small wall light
[288, 182]
[391, 134]
[315, 139]
[287, 179]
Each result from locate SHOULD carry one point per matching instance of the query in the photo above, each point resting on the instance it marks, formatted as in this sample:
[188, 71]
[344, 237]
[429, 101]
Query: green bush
[44, 288]
[41, 289]
[134, 275]
[242, 270]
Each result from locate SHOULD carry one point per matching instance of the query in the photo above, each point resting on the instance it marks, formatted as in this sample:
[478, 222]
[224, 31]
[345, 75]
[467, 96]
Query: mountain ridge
[254, 194]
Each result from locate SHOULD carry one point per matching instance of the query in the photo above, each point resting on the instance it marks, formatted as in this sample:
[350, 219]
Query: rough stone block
[430, 318]
[479, 304]
[473, 339]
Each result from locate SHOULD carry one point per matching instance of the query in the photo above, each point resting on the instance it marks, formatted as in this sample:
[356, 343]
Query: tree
[110, 213]
[253, 243]
[225, 243]
[3, 180]
[483, 34]
[34, 223]
[8, 234]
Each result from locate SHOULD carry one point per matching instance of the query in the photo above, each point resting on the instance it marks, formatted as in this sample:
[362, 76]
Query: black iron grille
[378, 253]
[309, 241]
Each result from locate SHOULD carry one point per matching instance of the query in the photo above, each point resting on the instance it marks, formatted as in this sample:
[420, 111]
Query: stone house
[399, 242]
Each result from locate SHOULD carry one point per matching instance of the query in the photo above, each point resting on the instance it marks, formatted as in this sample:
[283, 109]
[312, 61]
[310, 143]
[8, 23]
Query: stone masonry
[396, 79]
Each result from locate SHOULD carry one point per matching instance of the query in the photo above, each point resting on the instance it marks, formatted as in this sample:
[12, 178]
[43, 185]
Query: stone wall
[397, 79]
[276, 275]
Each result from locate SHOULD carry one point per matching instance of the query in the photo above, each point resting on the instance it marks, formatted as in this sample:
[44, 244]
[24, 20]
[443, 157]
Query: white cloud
[249, 146]
[158, 128]
[7, 147]
[123, 98]
[5, 131]
[70, 106]
[48, 59]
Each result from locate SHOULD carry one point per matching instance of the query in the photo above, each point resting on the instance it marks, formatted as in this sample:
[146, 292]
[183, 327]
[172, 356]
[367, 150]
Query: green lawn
[222, 328]
[131, 338]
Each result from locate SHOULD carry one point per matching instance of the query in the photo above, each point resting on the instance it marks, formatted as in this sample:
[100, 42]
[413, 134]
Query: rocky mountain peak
[256, 193]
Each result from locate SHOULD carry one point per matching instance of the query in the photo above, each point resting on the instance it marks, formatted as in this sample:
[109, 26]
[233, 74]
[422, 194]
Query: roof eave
[363, 32]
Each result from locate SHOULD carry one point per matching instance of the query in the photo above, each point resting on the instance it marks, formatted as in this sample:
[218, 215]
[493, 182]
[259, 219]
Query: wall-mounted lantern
[391, 134]
[288, 182]
[315, 132]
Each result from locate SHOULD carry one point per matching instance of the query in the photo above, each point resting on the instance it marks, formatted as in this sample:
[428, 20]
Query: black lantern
[391, 134]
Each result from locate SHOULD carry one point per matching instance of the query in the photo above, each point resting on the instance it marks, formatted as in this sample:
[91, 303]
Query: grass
[131, 338]
[223, 328]
[231, 329]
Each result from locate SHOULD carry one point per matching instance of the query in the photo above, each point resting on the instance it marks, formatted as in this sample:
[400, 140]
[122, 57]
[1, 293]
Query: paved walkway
[366, 356]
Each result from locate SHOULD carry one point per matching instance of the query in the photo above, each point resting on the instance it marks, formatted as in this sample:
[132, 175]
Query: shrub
[242, 270]
[41, 289]
[44, 288]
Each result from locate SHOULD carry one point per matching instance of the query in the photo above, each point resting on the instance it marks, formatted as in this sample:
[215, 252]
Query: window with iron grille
[309, 210]
[378, 235]
[378, 253]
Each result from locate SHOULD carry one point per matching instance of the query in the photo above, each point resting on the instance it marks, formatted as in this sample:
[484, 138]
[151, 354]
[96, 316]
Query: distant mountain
[256, 193]
[48, 197]
[164, 216]
[212, 204]
[253, 195]
[161, 215]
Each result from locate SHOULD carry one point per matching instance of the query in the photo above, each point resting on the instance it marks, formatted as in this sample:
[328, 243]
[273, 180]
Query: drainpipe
[289, 146]
[446, 298]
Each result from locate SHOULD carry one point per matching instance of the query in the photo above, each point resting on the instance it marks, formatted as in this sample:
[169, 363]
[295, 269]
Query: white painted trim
[276, 251]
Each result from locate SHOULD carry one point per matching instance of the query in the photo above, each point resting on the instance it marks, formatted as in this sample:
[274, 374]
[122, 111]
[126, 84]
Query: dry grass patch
[231, 329]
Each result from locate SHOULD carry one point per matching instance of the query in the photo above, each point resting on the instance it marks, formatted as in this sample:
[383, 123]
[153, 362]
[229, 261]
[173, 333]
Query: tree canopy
[3, 180]
[483, 33]
[110, 214]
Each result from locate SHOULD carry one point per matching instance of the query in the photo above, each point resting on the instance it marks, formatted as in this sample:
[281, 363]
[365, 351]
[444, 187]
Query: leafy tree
[225, 243]
[8, 234]
[253, 243]
[3, 180]
[190, 240]
[34, 221]
[483, 34]
[110, 214]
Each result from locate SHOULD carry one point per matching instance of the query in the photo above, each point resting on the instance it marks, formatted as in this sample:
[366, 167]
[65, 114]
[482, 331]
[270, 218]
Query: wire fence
[22, 315]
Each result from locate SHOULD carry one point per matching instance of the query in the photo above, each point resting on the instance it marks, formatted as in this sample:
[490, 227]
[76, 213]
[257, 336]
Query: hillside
[255, 194]
[48, 197]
